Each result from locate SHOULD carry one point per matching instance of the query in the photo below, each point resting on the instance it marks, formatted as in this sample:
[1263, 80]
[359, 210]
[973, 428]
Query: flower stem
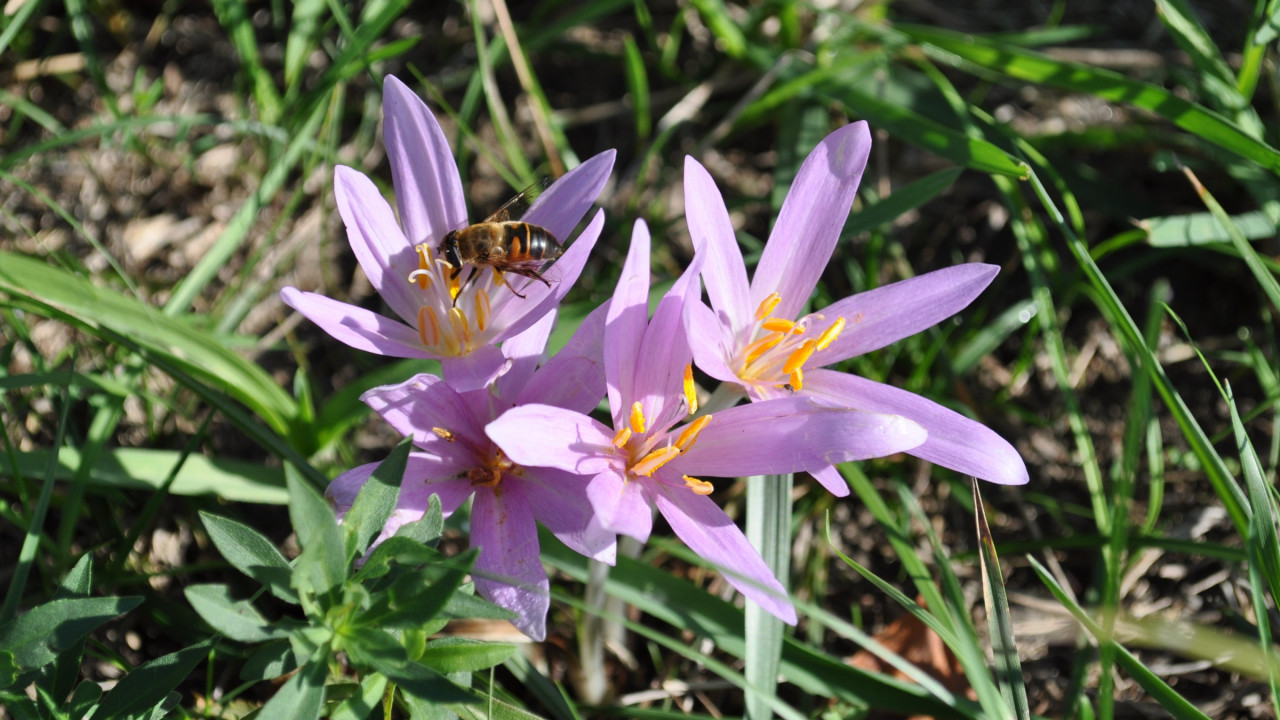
[769, 530]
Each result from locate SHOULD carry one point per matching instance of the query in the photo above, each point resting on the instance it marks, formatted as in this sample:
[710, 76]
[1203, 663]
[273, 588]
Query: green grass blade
[234, 15]
[199, 354]
[1204, 229]
[237, 229]
[1177, 706]
[1250, 256]
[1027, 66]
[1003, 645]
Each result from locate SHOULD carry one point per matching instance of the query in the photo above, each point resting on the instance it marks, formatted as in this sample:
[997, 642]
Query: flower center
[447, 327]
[650, 448]
[779, 348]
[490, 473]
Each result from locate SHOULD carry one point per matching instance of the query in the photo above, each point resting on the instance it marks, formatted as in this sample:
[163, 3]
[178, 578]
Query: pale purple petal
[477, 369]
[361, 329]
[831, 479]
[723, 270]
[790, 435]
[428, 189]
[432, 412]
[559, 501]
[574, 378]
[546, 436]
[508, 571]
[380, 246]
[524, 352]
[622, 506]
[709, 339]
[812, 216]
[664, 354]
[512, 315]
[625, 325]
[420, 471]
[882, 316]
[704, 527]
[562, 206]
[954, 441]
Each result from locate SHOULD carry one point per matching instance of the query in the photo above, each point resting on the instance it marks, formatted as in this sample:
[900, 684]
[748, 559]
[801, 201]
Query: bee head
[449, 246]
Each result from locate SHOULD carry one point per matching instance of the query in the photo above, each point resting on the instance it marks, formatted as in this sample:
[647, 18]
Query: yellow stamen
[423, 276]
[455, 285]
[779, 325]
[801, 354]
[767, 305]
[761, 346]
[655, 460]
[637, 417]
[690, 390]
[797, 379]
[690, 434]
[483, 309]
[622, 437]
[458, 320]
[830, 334]
[443, 434]
[699, 487]
[428, 326]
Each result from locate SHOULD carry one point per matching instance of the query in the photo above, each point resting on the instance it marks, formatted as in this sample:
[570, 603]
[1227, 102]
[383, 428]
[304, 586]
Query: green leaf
[237, 619]
[99, 309]
[376, 500]
[418, 596]
[271, 661]
[451, 655]
[299, 699]
[1159, 690]
[1266, 280]
[1204, 229]
[903, 200]
[149, 684]
[373, 688]
[1000, 620]
[1027, 66]
[250, 553]
[139, 468]
[322, 566]
[37, 637]
[426, 530]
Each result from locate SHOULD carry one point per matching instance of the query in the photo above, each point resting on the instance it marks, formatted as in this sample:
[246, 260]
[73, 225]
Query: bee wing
[516, 206]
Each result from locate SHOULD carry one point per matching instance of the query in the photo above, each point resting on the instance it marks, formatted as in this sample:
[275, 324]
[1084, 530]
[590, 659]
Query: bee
[503, 244]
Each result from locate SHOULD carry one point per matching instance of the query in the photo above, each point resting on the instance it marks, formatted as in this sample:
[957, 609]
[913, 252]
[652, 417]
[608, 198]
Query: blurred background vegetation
[165, 168]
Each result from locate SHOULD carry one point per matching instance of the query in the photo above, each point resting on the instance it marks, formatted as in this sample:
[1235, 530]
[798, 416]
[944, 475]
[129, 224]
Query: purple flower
[644, 459]
[749, 338]
[402, 264]
[458, 460]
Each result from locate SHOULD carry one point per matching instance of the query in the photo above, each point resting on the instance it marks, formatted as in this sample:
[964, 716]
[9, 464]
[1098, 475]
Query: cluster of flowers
[512, 428]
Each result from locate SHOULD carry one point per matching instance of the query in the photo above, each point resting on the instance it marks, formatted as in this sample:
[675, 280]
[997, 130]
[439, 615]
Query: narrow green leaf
[270, 661]
[903, 200]
[1204, 229]
[1266, 280]
[1003, 645]
[250, 553]
[450, 655]
[637, 88]
[234, 16]
[37, 637]
[301, 698]
[728, 34]
[304, 28]
[66, 671]
[149, 684]
[237, 619]
[1029, 66]
[1159, 690]
[426, 530]
[322, 566]
[199, 354]
[140, 468]
[373, 688]
[376, 500]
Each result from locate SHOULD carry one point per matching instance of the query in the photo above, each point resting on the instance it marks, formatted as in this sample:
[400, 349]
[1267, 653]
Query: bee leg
[470, 276]
[502, 278]
[533, 274]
